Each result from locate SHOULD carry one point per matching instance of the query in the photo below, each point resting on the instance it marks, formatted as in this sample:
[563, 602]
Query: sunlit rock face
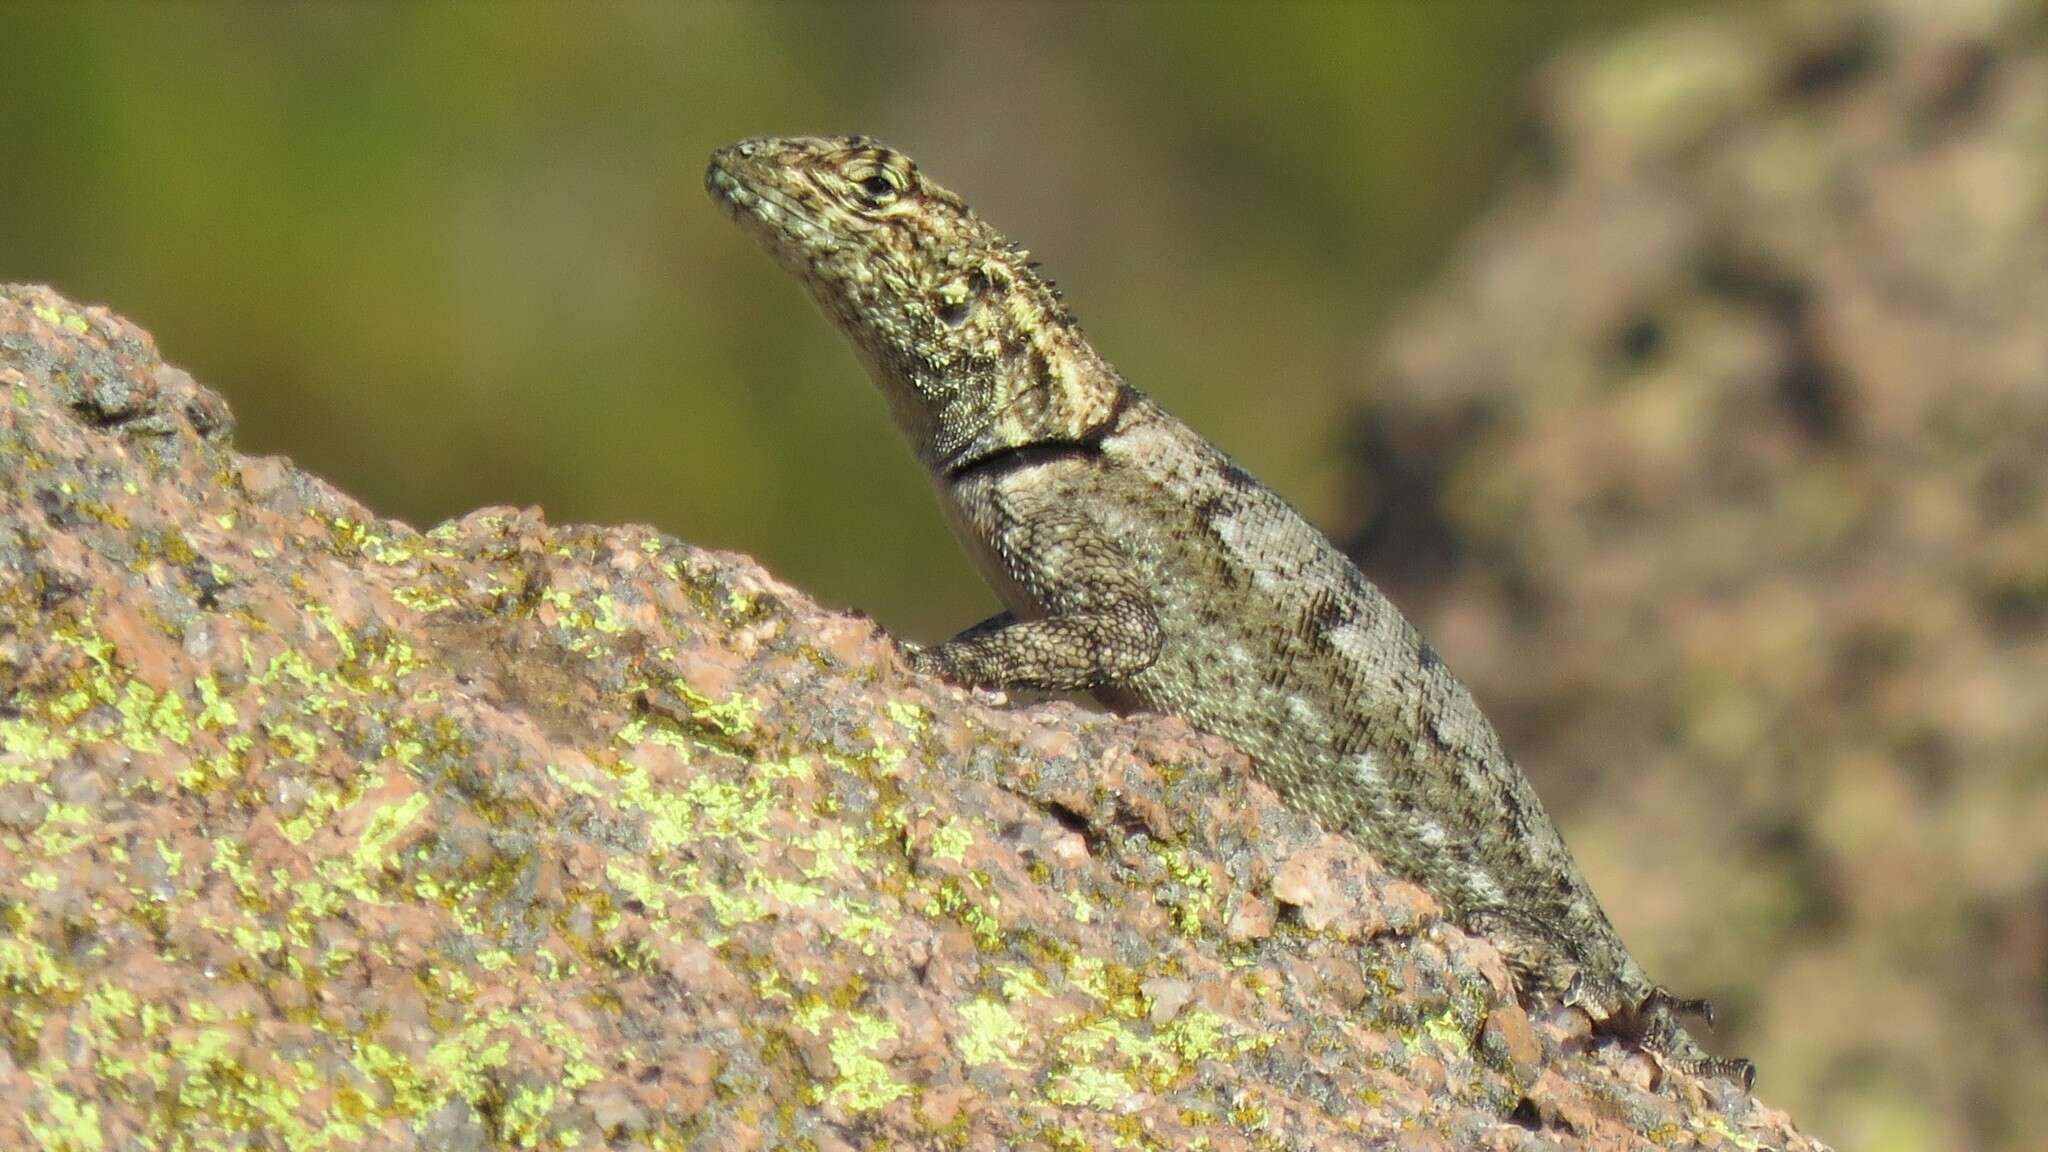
[319, 831]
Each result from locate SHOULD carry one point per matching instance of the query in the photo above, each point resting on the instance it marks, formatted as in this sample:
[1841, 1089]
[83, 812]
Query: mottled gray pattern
[1138, 563]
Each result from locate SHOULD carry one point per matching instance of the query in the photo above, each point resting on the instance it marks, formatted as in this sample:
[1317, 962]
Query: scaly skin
[1139, 564]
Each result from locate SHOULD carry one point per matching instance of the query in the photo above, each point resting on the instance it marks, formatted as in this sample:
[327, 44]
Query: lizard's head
[972, 348]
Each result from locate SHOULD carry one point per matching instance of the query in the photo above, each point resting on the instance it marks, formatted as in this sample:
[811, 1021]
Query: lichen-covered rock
[1718, 463]
[320, 832]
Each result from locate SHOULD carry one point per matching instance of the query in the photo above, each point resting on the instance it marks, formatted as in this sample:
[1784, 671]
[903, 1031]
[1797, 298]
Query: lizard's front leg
[1096, 628]
[1058, 654]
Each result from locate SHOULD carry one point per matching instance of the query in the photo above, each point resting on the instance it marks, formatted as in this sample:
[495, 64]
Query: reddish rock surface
[1718, 464]
[320, 832]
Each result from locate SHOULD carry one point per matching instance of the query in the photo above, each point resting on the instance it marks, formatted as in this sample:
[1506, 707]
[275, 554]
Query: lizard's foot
[937, 660]
[926, 661]
[917, 656]
[1656, 1028]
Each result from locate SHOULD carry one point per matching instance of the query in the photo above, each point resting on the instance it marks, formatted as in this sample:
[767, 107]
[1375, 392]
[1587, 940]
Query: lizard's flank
[1138, 563]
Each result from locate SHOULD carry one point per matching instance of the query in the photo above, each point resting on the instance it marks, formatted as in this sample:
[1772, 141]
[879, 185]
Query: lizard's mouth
[771, 217]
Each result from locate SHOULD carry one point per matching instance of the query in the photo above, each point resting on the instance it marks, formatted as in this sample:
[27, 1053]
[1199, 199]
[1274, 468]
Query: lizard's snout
[720, 181]
[736, 174]
[733, 157]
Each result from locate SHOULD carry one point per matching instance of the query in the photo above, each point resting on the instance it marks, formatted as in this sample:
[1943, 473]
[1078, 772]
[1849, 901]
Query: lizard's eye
[878, 189]
[875, 182]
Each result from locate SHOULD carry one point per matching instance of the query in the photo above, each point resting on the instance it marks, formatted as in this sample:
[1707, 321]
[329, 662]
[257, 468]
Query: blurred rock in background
[1718, 463]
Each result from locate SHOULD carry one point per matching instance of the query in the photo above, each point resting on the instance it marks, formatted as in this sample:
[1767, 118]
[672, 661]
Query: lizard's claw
[1737, 1069]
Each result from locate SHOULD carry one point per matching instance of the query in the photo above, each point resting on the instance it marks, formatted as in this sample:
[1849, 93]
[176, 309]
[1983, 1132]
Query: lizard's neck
[1046, 387]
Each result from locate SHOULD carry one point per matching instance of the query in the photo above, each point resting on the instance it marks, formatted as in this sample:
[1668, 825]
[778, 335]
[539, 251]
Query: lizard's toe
[924, 661]
[1735, 1069]
[1660, 999]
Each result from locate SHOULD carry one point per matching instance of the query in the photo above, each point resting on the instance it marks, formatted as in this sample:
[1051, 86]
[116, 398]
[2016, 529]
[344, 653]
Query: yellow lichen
[864, 1082]
[950, 841]
[1086, 1086]
[63, 1123]
[993, 1035]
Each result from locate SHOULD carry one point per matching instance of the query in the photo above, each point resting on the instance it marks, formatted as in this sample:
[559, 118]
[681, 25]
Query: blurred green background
[456, 255]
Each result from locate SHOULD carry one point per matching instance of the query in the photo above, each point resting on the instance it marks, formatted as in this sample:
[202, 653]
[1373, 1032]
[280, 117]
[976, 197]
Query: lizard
[1138, 564]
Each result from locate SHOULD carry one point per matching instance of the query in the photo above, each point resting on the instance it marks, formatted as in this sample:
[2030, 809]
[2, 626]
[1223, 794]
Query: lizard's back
[1272, 638]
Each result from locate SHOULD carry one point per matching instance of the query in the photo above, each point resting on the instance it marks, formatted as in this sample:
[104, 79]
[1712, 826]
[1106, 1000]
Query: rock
[1508, 1036]
[321, 831]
